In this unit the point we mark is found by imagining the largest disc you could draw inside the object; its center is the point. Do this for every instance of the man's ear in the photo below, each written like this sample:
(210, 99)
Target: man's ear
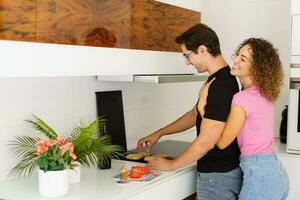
(202, 49)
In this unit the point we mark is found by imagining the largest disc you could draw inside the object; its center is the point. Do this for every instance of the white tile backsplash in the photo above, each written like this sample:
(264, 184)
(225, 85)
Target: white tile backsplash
(42, 96)
(63, 101)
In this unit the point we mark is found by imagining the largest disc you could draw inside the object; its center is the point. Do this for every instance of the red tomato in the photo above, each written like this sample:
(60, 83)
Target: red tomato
(138, 171)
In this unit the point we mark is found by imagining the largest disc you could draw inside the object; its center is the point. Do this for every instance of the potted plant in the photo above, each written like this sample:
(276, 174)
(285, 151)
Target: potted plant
(55, 157)
(89, 147)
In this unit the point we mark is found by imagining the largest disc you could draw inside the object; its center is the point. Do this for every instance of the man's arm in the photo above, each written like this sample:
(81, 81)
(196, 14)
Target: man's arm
(187, 121)
(208, 137)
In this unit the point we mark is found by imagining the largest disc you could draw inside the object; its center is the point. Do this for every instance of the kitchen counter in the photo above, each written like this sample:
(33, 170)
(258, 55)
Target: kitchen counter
(99, 184)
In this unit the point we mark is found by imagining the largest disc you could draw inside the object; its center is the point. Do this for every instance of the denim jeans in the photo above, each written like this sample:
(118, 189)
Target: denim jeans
(219, 186)
(264, 178)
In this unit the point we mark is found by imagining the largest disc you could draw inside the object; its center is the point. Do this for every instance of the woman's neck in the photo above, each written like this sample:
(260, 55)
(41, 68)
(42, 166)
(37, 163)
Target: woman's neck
(246, 82)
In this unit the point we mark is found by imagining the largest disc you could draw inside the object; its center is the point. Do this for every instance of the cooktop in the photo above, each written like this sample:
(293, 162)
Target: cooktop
(170, 148)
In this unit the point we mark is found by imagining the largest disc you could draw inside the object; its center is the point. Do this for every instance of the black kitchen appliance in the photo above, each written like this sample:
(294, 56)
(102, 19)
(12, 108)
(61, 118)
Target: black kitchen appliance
(110, 105)
(283, 125)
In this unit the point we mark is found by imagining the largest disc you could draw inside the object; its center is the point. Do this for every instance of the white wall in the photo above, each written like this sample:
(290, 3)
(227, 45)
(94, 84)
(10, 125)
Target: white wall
(236, 20)
(62, 101)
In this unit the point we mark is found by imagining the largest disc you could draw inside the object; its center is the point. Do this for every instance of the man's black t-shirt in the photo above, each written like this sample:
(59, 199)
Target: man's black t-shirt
(217, 108)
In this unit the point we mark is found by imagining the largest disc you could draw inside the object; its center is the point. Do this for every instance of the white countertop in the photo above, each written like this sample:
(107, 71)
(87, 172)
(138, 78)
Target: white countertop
(95, 184)
(99, 184)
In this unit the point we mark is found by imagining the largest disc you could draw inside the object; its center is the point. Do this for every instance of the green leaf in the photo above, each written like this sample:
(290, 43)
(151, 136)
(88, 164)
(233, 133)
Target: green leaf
(42, 127)
(24, 168)
(22, 146)
(88, 147)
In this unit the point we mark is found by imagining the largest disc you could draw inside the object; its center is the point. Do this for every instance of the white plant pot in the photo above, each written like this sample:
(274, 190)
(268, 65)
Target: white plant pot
(75, 175)
(53, 183)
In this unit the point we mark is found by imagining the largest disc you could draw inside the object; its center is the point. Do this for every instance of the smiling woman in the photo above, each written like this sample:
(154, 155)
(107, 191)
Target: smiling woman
(251, 117)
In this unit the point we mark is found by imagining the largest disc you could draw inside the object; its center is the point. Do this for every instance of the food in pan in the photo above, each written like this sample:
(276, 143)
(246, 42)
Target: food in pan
(137, 156)
(145, 153)
(148, 158)
(134, 156)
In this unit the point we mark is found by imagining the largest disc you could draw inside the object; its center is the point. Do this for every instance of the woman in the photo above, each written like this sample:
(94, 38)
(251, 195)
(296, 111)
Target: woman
(251, 117)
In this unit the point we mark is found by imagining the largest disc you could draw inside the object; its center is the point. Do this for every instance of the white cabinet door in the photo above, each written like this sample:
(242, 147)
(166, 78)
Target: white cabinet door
(295, 6)
(293, 137)
(181, 186)
(17, 58)
(292, 166)
(73, 60)
(296, 35)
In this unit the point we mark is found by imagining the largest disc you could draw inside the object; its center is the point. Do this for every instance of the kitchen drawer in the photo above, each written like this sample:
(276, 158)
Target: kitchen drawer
(295, 35)
(295, 6)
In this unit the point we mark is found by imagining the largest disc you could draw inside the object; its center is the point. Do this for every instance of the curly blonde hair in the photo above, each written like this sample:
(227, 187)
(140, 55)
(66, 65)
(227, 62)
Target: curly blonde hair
(266, 70)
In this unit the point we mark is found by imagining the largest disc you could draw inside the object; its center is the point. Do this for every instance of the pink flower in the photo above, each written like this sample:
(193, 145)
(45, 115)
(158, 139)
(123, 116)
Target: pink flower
(70, 147)
(61, 140)
(44, 145)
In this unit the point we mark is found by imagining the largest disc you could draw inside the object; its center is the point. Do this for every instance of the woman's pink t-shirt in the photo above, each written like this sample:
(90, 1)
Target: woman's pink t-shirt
(257, 133)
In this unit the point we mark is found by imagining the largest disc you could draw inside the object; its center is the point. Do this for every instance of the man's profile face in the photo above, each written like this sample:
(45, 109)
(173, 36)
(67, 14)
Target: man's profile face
(192, 58)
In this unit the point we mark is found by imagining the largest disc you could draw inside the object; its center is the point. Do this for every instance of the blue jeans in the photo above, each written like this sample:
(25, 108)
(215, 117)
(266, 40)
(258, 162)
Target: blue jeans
(219, 186)
(264, 178)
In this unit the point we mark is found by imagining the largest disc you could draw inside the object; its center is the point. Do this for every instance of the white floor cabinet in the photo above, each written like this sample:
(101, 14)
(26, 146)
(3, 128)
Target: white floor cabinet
(292, 165)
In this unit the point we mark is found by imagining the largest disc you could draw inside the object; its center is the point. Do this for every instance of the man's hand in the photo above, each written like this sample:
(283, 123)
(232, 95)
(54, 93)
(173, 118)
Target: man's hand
(203, 93)
(161, 164)
(149, 141)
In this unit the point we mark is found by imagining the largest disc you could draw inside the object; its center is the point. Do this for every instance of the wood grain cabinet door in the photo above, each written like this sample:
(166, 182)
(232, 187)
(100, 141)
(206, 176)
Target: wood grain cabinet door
(130, 24)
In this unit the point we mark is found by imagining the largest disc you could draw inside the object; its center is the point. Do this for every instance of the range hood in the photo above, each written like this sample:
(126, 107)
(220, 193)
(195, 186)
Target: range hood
(154, 78)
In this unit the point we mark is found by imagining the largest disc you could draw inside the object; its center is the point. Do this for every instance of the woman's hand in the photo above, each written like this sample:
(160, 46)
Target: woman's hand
(203, 93)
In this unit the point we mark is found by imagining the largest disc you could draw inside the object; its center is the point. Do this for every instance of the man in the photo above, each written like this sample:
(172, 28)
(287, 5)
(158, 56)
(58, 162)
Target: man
(219, 176)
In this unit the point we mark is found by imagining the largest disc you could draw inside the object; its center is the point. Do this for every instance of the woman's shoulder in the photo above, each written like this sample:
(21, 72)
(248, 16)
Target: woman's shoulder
(248, 96)
(242, 96)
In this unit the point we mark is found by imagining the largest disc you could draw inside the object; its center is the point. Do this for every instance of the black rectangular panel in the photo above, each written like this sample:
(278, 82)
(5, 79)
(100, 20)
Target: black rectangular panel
(110, 105)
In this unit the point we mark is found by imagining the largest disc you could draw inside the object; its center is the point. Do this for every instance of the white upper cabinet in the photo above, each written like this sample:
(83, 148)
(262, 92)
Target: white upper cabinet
(295, 42)
(295, 6)
(295, 35)
(17, 59)
(72, 60)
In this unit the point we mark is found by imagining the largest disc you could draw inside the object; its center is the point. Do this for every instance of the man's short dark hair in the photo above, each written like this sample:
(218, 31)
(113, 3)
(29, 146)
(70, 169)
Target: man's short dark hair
(200, 34)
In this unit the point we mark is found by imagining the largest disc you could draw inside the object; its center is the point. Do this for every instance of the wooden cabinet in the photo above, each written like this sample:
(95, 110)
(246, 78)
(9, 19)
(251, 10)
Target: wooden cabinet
(91, 37)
